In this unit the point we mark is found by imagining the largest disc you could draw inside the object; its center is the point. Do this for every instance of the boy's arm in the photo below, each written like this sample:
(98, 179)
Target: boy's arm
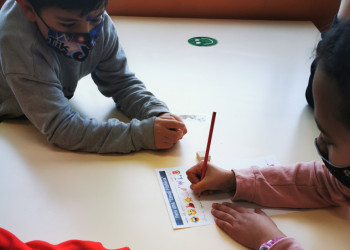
(114, 79)
(304, 185)
(44, 104)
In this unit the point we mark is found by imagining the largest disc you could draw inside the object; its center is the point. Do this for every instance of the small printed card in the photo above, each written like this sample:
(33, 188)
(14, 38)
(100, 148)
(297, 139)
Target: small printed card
(187, 209)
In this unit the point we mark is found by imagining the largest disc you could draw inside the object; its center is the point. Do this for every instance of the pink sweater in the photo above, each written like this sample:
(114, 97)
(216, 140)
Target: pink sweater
(303, 185)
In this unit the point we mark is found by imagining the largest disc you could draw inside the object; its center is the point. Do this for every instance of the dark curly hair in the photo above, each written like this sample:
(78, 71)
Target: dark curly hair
(333, 57)
(85, 6)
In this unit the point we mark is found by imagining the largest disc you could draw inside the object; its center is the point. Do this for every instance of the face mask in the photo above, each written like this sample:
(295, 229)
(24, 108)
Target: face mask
(77, 46)
(341, 173)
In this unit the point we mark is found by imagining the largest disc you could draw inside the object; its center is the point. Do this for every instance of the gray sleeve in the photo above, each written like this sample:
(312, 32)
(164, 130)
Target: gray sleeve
(46, 107)
(114, 79)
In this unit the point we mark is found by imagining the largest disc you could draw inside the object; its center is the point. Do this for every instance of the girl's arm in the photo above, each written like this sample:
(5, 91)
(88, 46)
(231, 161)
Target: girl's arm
(303, 185)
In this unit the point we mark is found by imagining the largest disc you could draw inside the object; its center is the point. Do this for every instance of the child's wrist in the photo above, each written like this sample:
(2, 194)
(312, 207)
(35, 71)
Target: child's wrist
(267, 245)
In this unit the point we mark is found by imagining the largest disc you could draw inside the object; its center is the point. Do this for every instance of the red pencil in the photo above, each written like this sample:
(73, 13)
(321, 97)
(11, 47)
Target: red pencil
(204, 169)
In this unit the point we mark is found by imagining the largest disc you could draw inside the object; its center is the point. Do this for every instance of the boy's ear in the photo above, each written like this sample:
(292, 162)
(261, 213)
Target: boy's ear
(27, 9)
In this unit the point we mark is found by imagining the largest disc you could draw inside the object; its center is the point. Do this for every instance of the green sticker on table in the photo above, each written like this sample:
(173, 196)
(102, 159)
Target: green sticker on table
(202, 41)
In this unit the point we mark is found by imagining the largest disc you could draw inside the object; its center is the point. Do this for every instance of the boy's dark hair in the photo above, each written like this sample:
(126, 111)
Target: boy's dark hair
(333, 55)
(85, 6)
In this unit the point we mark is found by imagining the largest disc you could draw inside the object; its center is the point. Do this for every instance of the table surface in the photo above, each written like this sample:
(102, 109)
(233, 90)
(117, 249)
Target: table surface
(254, 78)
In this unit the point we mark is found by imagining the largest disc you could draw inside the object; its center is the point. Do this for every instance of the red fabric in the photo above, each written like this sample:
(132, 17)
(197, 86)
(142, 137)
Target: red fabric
(10, 241)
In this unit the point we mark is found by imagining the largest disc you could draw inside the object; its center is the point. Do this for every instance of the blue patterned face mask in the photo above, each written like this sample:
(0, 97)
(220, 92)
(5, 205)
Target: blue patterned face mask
(77, 46)
(341, 173)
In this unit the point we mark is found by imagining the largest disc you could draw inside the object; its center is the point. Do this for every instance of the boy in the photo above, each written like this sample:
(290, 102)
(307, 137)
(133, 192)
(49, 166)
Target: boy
(46, 47)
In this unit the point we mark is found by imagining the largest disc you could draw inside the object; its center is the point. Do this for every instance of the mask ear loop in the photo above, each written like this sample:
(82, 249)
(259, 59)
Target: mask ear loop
(36, 13)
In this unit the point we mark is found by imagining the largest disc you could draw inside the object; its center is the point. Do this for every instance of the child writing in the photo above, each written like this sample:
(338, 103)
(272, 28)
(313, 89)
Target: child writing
(46, 47)
(303, 185)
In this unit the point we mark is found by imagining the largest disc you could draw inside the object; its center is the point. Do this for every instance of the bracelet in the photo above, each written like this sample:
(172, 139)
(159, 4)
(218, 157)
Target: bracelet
(267, 245)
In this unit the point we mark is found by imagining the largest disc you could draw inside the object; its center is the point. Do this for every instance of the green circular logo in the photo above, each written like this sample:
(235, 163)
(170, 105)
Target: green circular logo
(202, 41)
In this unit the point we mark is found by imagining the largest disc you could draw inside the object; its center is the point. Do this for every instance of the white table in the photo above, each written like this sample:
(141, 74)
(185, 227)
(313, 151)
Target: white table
(254, 78)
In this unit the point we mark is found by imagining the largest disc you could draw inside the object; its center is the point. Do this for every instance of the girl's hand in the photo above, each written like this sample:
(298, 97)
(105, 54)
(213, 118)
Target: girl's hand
(168, 130)
(215, 179)
(249, 228)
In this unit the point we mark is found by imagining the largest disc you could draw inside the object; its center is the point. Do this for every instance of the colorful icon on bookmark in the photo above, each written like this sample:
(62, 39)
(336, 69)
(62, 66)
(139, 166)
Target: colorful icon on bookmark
(191, 212)
(188, 199)
(190, 205)
(180, 183)
(194, 219)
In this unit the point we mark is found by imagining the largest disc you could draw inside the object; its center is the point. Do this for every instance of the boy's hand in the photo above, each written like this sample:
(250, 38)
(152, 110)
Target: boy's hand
(168, 130)
(216, 179)
(249, 228)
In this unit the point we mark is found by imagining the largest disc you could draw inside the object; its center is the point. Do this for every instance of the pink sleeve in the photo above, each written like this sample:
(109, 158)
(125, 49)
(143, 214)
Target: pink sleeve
(285, 244)
(10, 241)
(303, 185)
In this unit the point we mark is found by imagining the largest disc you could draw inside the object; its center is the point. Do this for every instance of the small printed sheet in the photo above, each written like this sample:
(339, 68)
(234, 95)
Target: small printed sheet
(187, 209)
